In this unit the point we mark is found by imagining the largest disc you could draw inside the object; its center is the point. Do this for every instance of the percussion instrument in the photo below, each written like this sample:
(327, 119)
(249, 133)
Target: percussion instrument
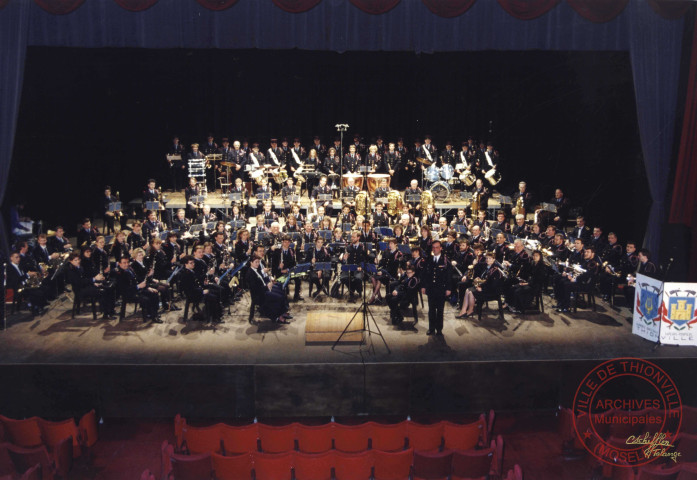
(440, 191)
(493, 176)
(257, 175)
(228, 164)
(356, 176)
(374, 180)
(447, 171)
(433, 173)
(423, 161)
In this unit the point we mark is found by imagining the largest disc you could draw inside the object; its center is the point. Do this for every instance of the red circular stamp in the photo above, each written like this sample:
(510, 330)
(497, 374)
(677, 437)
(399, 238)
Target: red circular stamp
(627, 412)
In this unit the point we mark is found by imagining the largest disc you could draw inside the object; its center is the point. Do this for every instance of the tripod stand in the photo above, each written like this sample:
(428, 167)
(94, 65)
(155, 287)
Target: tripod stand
(367, 316)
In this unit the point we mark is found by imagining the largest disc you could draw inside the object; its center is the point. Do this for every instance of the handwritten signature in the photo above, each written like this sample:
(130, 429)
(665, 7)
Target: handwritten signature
(656, 446)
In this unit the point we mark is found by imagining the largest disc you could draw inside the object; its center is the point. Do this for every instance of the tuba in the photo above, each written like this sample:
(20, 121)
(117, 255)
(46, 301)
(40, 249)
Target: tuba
(394, 203)
(362, 203)
(426, 200)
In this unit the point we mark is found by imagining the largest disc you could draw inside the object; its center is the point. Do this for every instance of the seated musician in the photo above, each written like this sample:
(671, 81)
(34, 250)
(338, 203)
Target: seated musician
(388, 265)
(108, 216)
(572, 281)
(100, 255)
(17, 279)
(309, 234)
(266, 293)
(409, 225)
(477, 237)
(283, 260)
(414, 207)
(417, 261)
(520, 229)
(263, 190)
(355, 255)
(319, 278)
(338, 236)
(366, 232)
(299, 217)
(524, 197)
(119, 248)
(500, 248)
(380, 218)
(491, 280)
(180, 223)
(535, 232)
(480, 221)
(87, 287)
(87, 234)
(646, 267)
(173, 248)
(130, 290)
(152, 227)
(501, 223)
(322, 189)
(402, 292)
(349, 193)
(558, 248)
(346, 217)
(243, 246)
(59, 243)
(42, 251)
(273, 239)
(135, 238)
(195, 289)
(431, 217)
(441, 231)
(482, 194)
(332, 164)
(426, 240)
(162, 269)
(460, 219)
(521, 295)
(291, 225)
(288, 191)
(547, 238)
(399, 236)
(449, 244)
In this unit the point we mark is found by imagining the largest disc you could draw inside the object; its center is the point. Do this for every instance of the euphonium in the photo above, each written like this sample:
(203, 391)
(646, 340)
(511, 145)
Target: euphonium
(519, 206)
(362, 203)
(394, 203)
(426, 200)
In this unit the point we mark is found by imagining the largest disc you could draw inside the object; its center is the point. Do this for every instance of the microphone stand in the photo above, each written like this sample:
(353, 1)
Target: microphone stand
(660, 301)
(341, 128)
(4, 292)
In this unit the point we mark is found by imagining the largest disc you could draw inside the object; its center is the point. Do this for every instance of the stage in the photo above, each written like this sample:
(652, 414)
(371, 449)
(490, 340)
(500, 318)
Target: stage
(54, 364)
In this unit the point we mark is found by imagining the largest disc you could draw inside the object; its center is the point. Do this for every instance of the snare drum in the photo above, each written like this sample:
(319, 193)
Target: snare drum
(257, 175)
(356, 176)
(374, 180)
(433, 174)
(447, 171)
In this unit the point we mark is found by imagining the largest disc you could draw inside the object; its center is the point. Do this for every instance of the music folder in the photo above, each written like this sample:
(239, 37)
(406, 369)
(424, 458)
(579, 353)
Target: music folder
(414, 198)
(237, 224)
(210, 226)
(323, 266)
(263, 196)
(115, 206)
(461, 229)
(504, 200)
(466, 195)
(384, 231)
(324, 197)
(382, 246)
(404, 249)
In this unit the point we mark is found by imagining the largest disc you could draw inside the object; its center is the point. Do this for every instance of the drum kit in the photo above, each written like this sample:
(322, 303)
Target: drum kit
(441, 180)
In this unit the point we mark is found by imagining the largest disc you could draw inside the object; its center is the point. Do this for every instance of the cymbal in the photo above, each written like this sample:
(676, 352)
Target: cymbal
(227, 164)
(423, 160)
(333, 175)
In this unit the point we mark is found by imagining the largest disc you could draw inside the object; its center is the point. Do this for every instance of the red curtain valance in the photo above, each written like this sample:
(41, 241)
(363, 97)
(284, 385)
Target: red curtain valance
(3, 3)
(375, 7)
(448, 8)
(296, 6)
(527, 9)
(59, 7)
(598, 11)
(135, 5)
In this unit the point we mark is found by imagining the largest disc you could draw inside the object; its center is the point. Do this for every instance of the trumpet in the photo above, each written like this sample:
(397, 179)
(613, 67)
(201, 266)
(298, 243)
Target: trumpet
(608, 266)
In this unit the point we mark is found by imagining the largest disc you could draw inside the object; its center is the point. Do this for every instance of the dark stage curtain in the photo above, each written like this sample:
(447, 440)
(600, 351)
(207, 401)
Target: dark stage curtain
(375, 7)
(59, 7)
(296, 6)
(13, 46)
(135, 5)
(448, 8)
(598, 10)
(3, 3)
(217, 5)
(684, 208)
(670, 9)
(527, 9)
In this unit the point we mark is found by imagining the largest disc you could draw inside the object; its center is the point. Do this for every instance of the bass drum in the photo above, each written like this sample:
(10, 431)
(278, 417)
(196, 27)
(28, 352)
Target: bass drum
(447, 172)
(432, 173)
(440, 191)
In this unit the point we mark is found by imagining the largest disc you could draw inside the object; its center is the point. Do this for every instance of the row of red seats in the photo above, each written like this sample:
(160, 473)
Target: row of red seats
(222, 438)
(685, 471)
(34, 432)
(401, 465)
(36, 462)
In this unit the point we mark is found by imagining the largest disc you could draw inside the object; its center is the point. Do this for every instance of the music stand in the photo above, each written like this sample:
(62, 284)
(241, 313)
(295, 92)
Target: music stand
(261, 237)
(269, 221)
(504, 200)
(346, 227)
(324, 197)
(549, 207)
(237, 224)
(414, 198)
(382, 246)
(293, 199)
(337, 246)
(263, 196)
(153, 206)
(295, 237)
(324, 266)
(405, 249)
(325, 234)
(464, 195)
(461, 229)
(114, 207)
(235, 196)
(384, 231)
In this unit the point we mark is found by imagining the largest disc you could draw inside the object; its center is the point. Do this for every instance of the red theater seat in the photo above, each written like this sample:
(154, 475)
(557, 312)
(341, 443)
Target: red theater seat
(425, 437)
(232, 468)
(191, 467)
(202, 439)
(277, 439)
(688, 472)
(273, 466)
(464, 437)
(314, 439)
(353, 466)
(239, 439)
(472, 464)
(54, 432)
(432, 465)
(88, 428)
(315, 466)
(655, 473)
(392, 465)
(26, 458)
(388, 438)
(351, 438)
(23, 433)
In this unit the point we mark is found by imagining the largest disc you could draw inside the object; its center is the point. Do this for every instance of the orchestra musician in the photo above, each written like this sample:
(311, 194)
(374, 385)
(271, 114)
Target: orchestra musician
(352, 160)
(581, 230)
(274, 155)
(317, 145)
(87, 234)
(414, 207)
(349, 193)
(177, 168)
(525, 198)
(282, 262)
(391, 161)
(431, 217)
(380, 218)
(288, 191)
(490, 157)
(16, 280)
(266, 293)
(646, 267)
(597, 241)
(85, 286)
(520, 296)
(426, 240)
(355, 255)
(192, 190)
(402, 292)
(428, 151)
(59, 243)
(119, 248)
(332, 166)
(322, 189)
(569, 282)
(520, 229)
(448, 156)
(482, 194)
(194, 287)
(152, 227)
(313, 162)
(297, 156)
(346, 218)
(492, 280)
(372, 159)
(389, 263)
(358, 145)
(131, 290)
(381, 192)
(135, 238)
(108, 216)
(291, 225)
(318, 278)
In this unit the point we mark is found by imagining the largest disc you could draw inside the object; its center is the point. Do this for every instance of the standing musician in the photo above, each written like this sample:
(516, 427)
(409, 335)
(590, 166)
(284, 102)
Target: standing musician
(402, 292)
(448, 156)
(559, 218)
(332, 165)
(391, 161)
(319, 278)
(210, 147)
(239, 158)
(414, 207)
(389, 263)
(255, 158)
(322, 189)
(313, 163)
(355, 255)
(275, 154)
(490, 157)
(380, 143)
(297, 156)
(285, 157)
(646, 267)
(428, 151)
(462, 160)
(435, 282)
(372, 159)
(352, 160)
(87, 234)
(318, 146)
(525, 198)
(177, 168)
(131, 290)
(403, 177)
(282, 262)
(192, 190)
(380, 218)
(288, 191)
(225, 156)
(195, 154)
(482, 194)
(108, 216)
(358, 145)
(266, 293)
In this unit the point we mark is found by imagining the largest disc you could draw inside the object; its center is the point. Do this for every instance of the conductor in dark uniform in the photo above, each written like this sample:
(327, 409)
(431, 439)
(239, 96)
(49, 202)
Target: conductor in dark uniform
(435, 282)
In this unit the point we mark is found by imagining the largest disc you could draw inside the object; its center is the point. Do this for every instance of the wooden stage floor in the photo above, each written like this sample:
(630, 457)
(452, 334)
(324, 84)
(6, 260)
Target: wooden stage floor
(55, 338)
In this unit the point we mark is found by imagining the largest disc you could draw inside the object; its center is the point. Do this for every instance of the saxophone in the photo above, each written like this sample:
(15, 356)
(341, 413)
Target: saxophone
(519, 208)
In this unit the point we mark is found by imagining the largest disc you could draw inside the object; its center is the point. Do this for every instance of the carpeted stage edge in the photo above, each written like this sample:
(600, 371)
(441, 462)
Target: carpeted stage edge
(219, 391)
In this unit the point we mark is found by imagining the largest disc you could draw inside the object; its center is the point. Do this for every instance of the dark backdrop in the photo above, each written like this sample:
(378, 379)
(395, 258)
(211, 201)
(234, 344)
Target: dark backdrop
(95, 116)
